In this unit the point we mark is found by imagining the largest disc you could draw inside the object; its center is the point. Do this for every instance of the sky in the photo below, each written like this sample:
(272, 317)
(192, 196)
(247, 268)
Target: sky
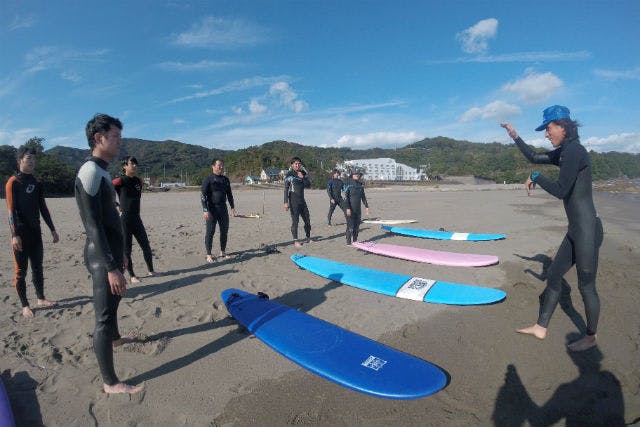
(329, 73)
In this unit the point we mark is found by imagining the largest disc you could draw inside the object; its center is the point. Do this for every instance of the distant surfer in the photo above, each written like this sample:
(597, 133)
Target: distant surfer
(25, 202)
(334, 190)
(129, 189)
(104, 248)
(581, 244)
(354, 198)
(296, 180)
(216, 192)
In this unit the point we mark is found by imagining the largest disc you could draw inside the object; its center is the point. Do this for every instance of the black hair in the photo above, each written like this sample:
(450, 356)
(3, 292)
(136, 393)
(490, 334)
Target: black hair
(100, 123)
(335, 171)
(128, 159)
(570, 128)
(296, 159)
(216, 159)
(23, 151)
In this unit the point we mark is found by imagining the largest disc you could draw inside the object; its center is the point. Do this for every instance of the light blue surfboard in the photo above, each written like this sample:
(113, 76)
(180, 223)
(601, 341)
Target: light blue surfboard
(442, 235)
(334, 353)
(399, 285)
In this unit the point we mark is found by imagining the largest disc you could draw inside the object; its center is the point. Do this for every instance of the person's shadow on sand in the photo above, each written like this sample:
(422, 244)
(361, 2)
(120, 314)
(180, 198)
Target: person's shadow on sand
(21, 390)
(300, 299)
(592, 399)
(565, 296)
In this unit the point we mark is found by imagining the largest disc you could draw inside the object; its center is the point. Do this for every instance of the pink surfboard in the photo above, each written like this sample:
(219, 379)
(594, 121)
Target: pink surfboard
(425, 255)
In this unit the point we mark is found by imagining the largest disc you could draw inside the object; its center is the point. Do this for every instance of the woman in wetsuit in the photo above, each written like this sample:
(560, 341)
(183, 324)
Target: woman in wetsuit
(354, 197)
(295, 182)
(581, 244)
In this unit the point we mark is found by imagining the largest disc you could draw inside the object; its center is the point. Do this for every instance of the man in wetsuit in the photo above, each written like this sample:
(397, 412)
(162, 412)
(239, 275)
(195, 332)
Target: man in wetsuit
(104, 248)
(583, 239)
(216, 191)
(295, 182)
(25, 202)
(354, 197)
(334, 190)
(129, 189)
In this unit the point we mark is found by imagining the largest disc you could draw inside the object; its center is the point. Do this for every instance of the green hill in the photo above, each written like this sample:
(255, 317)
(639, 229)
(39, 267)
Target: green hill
(174, 161)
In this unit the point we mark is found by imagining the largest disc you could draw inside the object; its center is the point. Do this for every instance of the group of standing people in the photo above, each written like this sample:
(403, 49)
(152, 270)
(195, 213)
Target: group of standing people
(107, 250)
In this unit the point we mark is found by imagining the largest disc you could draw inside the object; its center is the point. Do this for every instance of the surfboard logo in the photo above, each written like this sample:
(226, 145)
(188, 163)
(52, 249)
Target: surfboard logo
(374, 363)
(415, 288)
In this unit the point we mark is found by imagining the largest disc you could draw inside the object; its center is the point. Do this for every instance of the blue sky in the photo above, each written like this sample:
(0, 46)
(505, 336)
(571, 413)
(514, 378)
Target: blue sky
(231, 74)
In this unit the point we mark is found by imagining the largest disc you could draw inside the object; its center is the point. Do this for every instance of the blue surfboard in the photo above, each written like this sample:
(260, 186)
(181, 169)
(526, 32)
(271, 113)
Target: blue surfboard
(442, 235)
(334, 353)
(399, 285)
(6, 416)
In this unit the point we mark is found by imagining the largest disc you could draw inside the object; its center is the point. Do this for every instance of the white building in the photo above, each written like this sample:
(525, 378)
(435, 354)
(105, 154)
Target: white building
(383, 169)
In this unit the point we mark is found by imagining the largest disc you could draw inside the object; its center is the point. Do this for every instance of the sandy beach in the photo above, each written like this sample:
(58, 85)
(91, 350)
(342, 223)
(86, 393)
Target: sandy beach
(200, 369)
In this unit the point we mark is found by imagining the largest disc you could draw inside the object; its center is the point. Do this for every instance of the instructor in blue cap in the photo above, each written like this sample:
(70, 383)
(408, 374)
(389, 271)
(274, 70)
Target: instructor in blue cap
(582, 242)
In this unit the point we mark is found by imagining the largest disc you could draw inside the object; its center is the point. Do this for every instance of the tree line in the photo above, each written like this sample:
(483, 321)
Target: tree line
(174, 161)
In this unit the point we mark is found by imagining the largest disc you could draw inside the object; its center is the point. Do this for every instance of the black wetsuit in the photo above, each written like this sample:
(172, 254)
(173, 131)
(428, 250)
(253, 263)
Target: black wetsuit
(584, 236)
(294, 195)
(129, 191)
(216, 190)
(103, 252)
(25, 202)
(334, 190)
(354, 196)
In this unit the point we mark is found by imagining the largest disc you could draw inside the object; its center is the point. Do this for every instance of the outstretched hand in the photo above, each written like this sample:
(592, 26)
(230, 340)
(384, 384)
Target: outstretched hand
(510, 130)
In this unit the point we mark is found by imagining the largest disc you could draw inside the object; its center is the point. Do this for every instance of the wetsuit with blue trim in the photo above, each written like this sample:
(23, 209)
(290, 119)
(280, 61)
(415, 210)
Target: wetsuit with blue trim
(354, 197)
(103, 252)
(216, 191)
(581, 244)
(129, 189)
(334, 190)
(294, 195)
(25, 202)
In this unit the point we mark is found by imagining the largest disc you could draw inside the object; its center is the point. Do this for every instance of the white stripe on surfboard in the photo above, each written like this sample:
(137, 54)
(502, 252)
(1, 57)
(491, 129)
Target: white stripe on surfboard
(415, 288)
(459, 236)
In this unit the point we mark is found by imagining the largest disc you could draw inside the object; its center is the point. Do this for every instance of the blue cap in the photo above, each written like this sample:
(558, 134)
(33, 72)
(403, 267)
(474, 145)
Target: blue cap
(552, 113)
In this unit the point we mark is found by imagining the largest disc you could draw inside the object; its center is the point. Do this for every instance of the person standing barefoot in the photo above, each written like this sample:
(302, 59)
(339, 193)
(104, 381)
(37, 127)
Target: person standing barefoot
(582, 241)
(104, 248)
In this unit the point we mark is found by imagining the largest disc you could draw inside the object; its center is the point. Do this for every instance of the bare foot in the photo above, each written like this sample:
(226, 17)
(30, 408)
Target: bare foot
(210, 259)
(308, 239)
(224, 255)
(122, 388)
(129, 338)
(27, 312)
(134, 279)
(583, 343)
(297, 244)
(46, 303)
(152, 274)
(535, 330)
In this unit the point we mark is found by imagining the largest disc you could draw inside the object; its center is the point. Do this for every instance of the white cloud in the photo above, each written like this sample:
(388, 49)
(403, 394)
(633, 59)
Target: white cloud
(194, 66)
(632, 74)
(179, 121)
(212, 32)
(378, 139)
(496, 110)
(235, 86)
(20, 22)
(534, 87)
(624, 142)
(287, 97)
(552, 56)
(17, 137)
(475, 39)
(255, 107)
